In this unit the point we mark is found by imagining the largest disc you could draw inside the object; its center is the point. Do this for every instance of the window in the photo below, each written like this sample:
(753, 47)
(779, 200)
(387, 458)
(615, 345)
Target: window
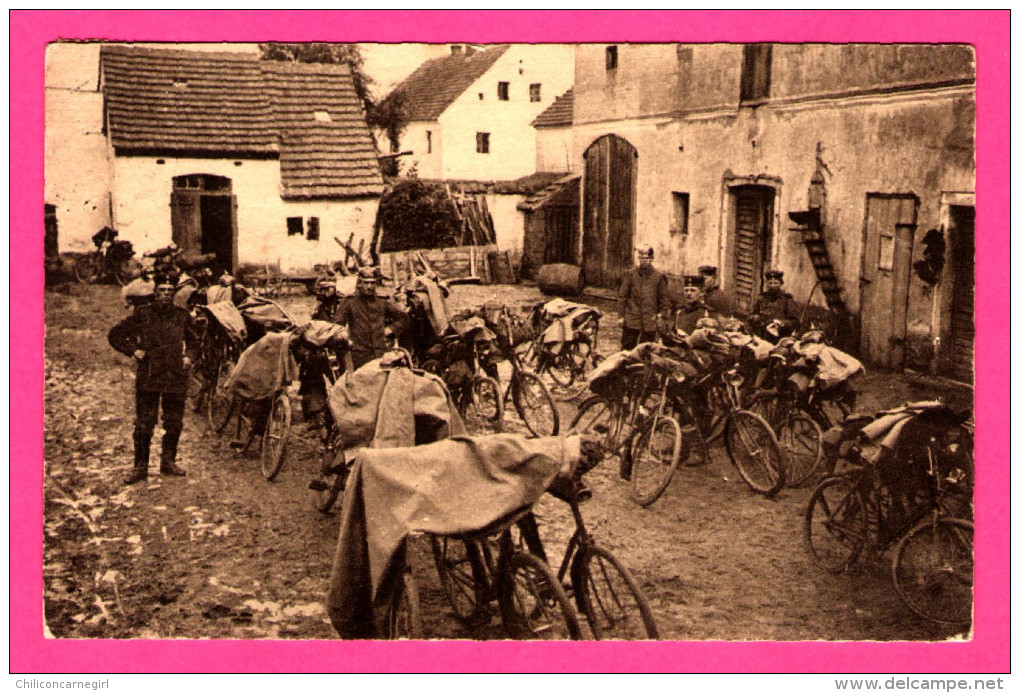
(536, 92)
(681, 206)
(295, 226)
(428, 141)
(313, 229)
(481, 96)
(504, 91)
(756, 77)
(611, 57)
(482, 142)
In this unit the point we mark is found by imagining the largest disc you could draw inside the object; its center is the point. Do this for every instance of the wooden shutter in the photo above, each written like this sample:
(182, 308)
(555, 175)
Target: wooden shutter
(962, 326)
(748, 248)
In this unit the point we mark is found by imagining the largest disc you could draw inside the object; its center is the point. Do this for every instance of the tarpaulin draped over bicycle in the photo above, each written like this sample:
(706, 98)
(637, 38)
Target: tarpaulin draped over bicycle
(565, 317)
(451, 487)
(263, 368)
(229, 318)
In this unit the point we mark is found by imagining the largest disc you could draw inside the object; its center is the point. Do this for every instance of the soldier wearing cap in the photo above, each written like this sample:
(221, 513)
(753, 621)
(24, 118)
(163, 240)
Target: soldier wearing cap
(163, 342)
(694, 307)
(714, 298)
(774, 303)
(644, 296)
(366, 316)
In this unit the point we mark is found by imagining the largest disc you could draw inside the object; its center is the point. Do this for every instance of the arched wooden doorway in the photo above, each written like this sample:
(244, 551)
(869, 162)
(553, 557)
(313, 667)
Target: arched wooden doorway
(610, 174)
(203, 217)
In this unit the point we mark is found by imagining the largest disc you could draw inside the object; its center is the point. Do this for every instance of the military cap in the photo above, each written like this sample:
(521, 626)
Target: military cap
(707, 270)
(774, 274)
(694, 280)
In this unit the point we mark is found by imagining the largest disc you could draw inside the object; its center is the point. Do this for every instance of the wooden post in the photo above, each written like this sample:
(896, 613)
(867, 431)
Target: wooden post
(471, 250)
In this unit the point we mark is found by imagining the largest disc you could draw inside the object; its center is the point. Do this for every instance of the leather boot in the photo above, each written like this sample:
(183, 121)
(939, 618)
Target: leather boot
(141, 468)
(167, 461)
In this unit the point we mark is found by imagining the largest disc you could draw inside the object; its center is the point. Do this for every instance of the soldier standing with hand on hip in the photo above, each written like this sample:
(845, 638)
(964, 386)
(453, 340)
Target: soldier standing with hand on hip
(162, 340)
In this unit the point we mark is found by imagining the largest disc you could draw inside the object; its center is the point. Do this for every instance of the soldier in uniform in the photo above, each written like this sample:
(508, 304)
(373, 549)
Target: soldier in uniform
(694, 307)
(163, 342)
(644, 298)
(774, 304)
(366, 316)
(714, 298)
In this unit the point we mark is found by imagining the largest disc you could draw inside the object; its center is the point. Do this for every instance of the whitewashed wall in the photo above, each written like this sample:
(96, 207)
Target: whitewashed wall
(554, 150)
(142, 190)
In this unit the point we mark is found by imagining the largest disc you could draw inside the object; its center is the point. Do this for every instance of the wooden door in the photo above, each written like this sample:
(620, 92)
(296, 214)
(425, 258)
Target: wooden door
(889, 226)
(961, 346)
(561, 235)
(752, 242)
(610, 174)
(186, 220)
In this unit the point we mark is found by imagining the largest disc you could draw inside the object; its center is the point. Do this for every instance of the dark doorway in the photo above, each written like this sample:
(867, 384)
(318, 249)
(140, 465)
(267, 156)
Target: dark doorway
(203, 217)
(961, 341)
(751, 242)
(610, 174)
(561, 235)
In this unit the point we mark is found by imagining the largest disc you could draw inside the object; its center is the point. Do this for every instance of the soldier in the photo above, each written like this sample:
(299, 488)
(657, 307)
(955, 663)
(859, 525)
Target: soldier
(714, 298)
(694, 307)
(162, 339)
(774, 304)
(644, 296)
(366, 316)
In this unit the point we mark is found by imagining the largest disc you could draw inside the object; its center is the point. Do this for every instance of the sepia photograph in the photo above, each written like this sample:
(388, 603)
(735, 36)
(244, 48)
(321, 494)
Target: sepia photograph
(510, 340)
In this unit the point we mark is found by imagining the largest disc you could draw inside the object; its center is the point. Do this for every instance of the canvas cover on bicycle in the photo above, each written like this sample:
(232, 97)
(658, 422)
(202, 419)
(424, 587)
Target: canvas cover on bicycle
(229, 318)
(451, 487)
(567, 322)
(266, 313)
(264, 368)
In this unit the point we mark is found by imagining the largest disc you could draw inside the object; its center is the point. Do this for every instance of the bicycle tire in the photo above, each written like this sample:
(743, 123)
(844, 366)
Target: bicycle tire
(88, 268)
(529, 395)
(610, 599)
(933, 570)
(126, 271)
(752, 446)
(404, 618)
(595, 420)
(274, 439)
(835, 524)
(533, 603)
(655, 455)
(333, 473)
(221, 404)
(465, 596)
(560, 366)
(799, 436)
(487, 402)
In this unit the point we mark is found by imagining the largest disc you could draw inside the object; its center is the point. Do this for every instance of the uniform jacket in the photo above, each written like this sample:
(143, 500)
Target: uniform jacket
(779, 306)
(165, 336)
(718, 302)
(366, 321)
(644, 294)
(689, 314)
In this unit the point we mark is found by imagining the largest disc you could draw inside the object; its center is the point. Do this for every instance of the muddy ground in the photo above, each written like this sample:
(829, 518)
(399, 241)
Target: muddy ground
(223, 553)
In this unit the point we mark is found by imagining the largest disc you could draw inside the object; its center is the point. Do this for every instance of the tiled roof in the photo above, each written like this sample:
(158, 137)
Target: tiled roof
(563, 192)
(560, 113)
(234, 104)
(526, 185)
(437, 83)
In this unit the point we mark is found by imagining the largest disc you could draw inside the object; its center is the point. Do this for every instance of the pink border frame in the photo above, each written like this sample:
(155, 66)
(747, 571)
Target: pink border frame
(987, 31)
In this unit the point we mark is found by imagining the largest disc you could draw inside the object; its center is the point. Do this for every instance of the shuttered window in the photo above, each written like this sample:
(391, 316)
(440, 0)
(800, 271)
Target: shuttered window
(962, 347)
(756, 77)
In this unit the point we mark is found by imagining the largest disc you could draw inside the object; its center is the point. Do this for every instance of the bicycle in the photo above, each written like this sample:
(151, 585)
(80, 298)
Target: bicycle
(111, 258)
(530, 397)
(634, 421)
(602, 588)
(568, 361)
(859, 512)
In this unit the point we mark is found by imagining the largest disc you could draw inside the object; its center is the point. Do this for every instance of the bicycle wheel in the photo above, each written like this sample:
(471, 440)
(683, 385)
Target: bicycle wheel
(610, 599)
(595, 419)
(127, 271)
(274, 440)
(403, 618)
(654, 456)
(485, 409)
(560, 367)
(457, 563)
(220, 402)
(694, 450)
(534, 404)
(88, 269)
(752, 446)
(533, 604)
(933, 570)
(798, 435)
(332, 476)
(835, 524)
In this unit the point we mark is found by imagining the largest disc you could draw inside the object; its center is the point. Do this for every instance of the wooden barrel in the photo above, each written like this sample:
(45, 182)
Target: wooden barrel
(561, 278)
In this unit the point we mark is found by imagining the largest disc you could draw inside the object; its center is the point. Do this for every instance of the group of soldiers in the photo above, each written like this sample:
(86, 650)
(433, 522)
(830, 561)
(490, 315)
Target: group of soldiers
(161, 337)
(648, 308)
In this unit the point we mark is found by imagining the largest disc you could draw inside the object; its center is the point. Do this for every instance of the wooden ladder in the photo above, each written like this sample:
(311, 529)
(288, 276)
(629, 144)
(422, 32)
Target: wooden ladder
(810, 227)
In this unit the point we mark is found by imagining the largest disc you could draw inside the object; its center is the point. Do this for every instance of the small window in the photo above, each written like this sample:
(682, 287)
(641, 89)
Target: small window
(611, 57)
(756, 76)
(504, 91)
(313, 229)
(886, 250)
(482, 142)
(295, 226)
(681, 205)
(536, 92)
(481, 96)
(428, 141)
